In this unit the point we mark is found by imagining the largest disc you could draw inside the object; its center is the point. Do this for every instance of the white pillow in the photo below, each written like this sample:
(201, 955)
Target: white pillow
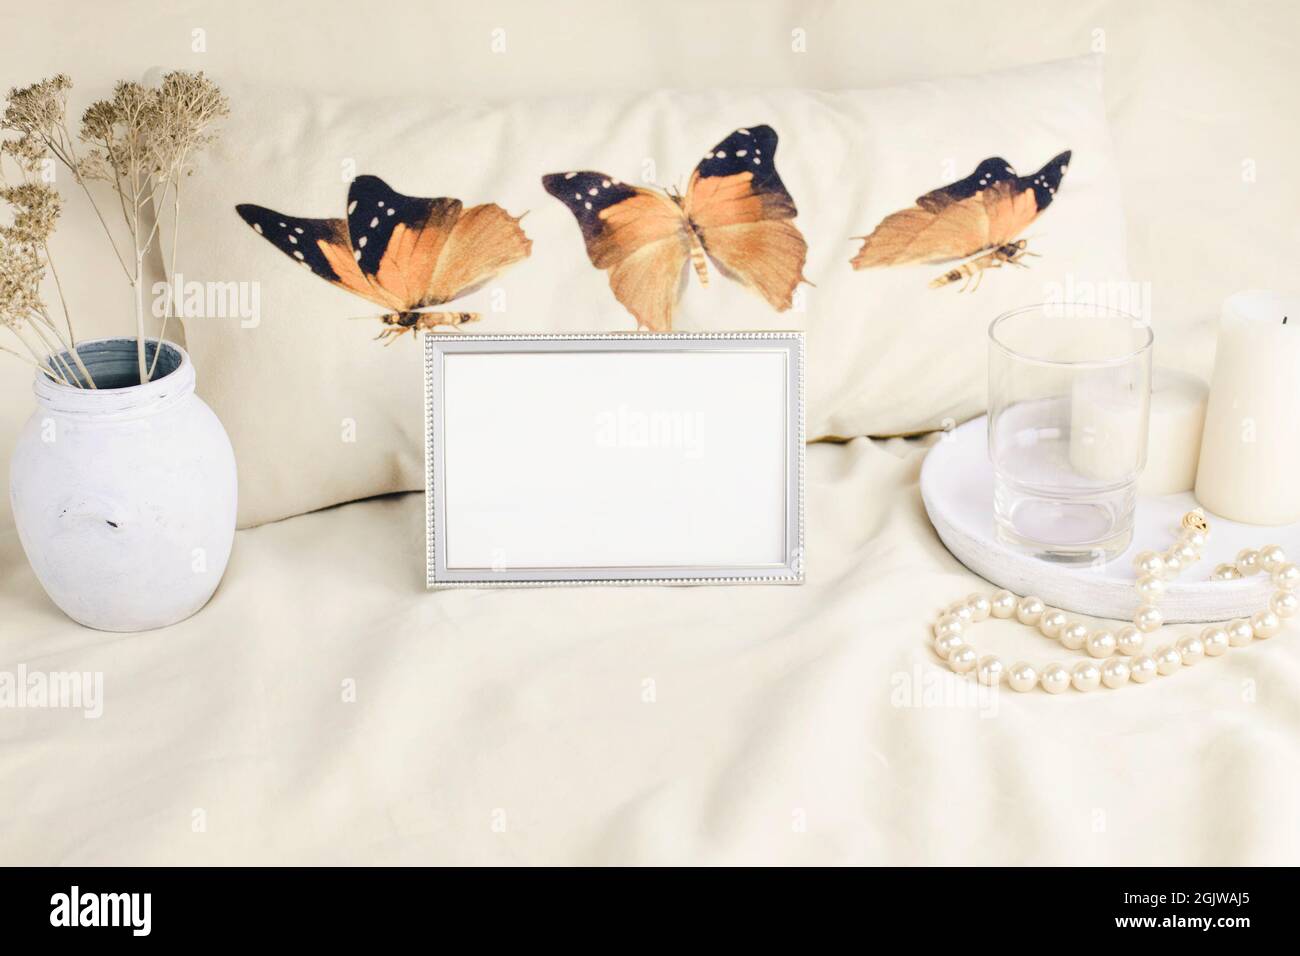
(319, 413)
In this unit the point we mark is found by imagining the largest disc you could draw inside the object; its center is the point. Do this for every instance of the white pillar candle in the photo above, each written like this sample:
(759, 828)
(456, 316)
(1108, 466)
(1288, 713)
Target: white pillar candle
(1250, 449)
(1174, 435)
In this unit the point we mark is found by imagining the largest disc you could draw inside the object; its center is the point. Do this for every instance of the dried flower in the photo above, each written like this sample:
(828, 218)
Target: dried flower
(187, 105)
(28, 151)
(36, 113)
(140, 141)
(120, 126)
(98, 121)
(21, 271)
(36, 209)
(38, 109)
(94, 165)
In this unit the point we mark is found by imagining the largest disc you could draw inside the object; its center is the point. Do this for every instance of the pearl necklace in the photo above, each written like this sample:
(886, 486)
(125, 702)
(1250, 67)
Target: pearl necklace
(1154, 570)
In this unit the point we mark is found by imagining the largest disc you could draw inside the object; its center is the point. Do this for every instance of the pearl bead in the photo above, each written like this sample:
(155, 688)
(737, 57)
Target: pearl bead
(1085, 676)
(1148, 618)
(1144, 668)
(1215, 640)
(1154, 571)
(963, 659)
(1115, 672)
(1021, 677)
(1168, 660)
(1240, 633)
(1029, 611)
(1148, 563)
(1284, 603)
(1265, 624)
(1191, 649)
(1052, 623)
(1129, 640)
(962, 611)
(948, 625)
(989, 670)
(1271, 557)
(1225, 572)
(944, 646)
(1150, 588)
(1003, 604)
(1074, 635)
(1055, 678)
(1287, 577)
(1100, 644)
(979, 606)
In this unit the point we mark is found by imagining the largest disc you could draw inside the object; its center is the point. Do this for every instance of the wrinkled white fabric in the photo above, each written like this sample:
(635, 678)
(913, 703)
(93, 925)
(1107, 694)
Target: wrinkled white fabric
(607, 725)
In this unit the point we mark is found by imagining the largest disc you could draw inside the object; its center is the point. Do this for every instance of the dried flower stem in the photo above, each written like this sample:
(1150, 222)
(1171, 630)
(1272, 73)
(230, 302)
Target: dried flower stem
(40, 359)
(61, 145)
(140, 143)
(171, 275)
(39, 366)
(67, 318)
(54, 350)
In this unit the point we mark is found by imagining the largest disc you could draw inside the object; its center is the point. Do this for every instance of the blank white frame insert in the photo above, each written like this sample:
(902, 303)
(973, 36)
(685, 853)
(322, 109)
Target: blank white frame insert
(614, 458)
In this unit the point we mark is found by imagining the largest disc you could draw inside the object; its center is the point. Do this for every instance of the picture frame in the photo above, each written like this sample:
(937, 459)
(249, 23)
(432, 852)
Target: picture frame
(618, 458)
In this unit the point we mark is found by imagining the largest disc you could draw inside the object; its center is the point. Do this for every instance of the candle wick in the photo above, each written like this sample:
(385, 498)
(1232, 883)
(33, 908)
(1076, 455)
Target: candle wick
(1284, 318)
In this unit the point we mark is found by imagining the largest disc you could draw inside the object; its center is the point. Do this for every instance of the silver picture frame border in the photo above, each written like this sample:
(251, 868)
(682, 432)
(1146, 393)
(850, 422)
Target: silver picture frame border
(438, 346)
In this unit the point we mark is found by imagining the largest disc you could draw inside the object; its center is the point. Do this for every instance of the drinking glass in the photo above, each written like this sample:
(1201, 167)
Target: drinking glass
(1069, 402)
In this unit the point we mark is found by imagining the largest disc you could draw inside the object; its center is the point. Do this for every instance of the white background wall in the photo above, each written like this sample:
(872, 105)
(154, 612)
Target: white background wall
(1201, 94)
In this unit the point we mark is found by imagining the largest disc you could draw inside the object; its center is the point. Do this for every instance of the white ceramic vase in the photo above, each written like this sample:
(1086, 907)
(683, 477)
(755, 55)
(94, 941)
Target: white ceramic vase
(124, 495)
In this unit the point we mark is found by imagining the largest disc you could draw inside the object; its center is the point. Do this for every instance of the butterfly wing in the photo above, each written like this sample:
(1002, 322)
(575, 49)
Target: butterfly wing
(396, 239)
(320, 245)
(638, 235)
(988, 208)
(1026, 199)
(400, 252)
(741, 211)
(946, 223)
(483, 241)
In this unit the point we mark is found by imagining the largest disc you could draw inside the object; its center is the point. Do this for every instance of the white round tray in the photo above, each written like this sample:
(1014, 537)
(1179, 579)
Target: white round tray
(957, 487)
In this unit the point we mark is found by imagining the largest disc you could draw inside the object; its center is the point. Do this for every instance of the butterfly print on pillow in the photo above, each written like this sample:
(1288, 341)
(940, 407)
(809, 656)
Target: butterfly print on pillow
(736, 213)
(983, 213)
(403, 253)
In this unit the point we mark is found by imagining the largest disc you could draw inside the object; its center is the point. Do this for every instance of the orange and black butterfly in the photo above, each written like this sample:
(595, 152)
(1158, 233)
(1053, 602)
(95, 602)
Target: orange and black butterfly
(736, 212)
(982, 213)
(403, 253)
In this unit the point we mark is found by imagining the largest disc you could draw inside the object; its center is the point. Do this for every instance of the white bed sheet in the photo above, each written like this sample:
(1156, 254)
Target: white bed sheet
(607, 725)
